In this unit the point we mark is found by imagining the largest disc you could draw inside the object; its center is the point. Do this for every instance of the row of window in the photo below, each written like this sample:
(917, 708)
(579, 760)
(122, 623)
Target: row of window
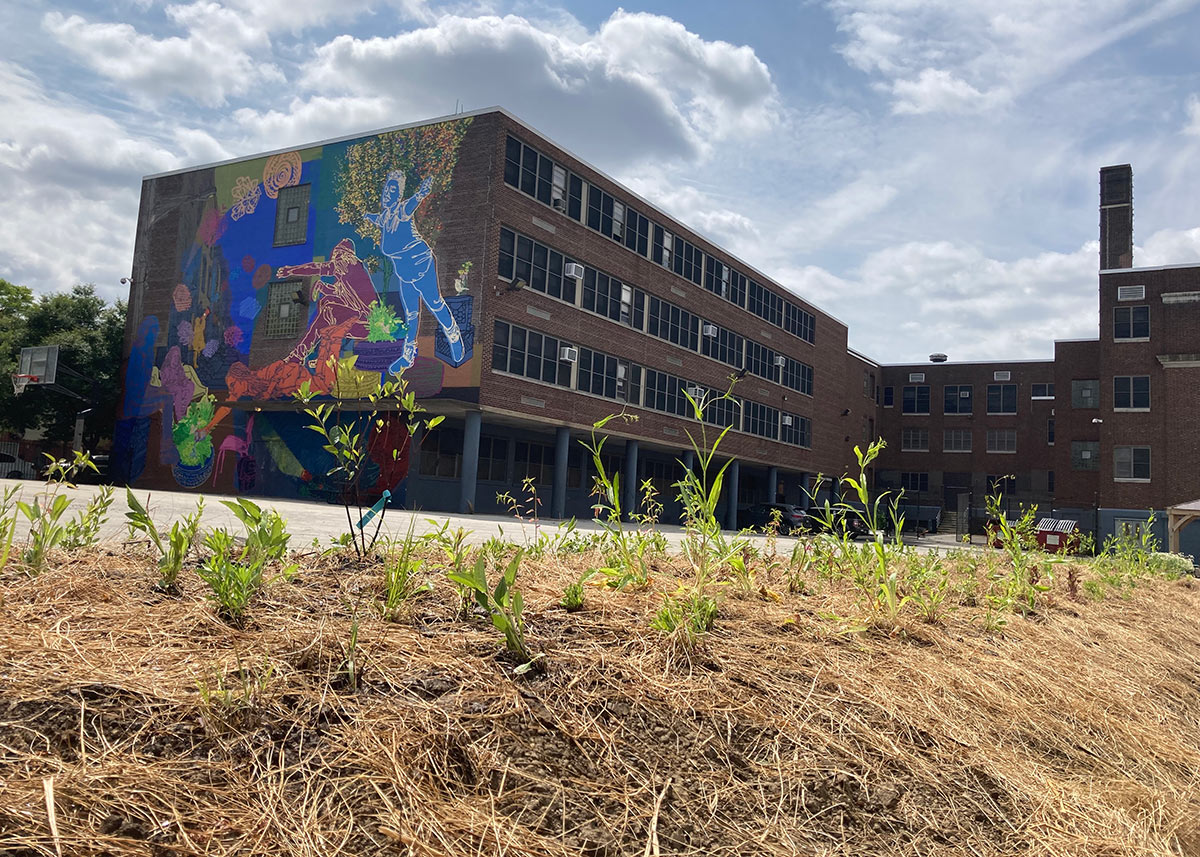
(530, 354)
(546, 270)
(534, 174)
(1129, 462)
(957, 440)
(959, 398)
(962, 440)
(1130, 392)
(996, 483)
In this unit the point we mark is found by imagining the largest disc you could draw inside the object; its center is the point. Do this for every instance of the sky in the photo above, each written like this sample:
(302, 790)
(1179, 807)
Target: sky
(924, 170)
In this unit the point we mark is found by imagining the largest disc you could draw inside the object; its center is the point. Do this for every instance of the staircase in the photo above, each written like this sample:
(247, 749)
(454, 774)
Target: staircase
(949, 523)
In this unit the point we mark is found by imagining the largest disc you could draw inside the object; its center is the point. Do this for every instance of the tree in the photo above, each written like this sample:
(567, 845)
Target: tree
(90, 335)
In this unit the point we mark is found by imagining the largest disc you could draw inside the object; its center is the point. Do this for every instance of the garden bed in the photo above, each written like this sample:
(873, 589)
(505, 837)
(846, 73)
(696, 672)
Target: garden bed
(133, 721)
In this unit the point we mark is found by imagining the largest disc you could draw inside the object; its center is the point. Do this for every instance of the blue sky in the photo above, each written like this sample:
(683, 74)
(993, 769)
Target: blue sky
(925, 171)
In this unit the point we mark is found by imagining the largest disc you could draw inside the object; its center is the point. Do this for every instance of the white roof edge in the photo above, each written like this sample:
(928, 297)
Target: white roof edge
(1104, 271)
(856, 353)
(927, 363)
(481, 112)
(1083, 339)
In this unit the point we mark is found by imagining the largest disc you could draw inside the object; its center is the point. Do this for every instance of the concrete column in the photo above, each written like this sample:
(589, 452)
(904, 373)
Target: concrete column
(630, 489)
(731, 483)
(562, 444)
(772, 483)
(470, 462)
(805, 487)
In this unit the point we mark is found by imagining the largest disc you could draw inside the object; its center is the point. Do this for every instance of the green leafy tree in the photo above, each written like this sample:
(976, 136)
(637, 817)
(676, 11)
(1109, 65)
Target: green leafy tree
(90, 334)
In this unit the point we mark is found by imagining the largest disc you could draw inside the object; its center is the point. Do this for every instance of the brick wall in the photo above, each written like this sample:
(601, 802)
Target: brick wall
(526, 215)
(1033, 456)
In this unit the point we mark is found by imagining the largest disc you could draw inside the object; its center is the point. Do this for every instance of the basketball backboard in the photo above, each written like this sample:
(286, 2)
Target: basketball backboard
(41, 362)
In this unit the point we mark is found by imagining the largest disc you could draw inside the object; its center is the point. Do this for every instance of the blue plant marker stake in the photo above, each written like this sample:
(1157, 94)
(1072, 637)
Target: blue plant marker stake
(375, 510)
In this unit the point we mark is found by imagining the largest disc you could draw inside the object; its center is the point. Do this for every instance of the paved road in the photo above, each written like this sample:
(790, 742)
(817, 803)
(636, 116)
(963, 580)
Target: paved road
(308, 520)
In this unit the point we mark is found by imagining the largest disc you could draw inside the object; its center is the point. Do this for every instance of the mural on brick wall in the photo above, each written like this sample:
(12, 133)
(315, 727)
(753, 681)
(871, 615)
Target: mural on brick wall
(309, 266)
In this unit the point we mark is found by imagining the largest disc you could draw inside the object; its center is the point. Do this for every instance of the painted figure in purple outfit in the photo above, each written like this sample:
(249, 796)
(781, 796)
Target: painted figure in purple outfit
(347, 298)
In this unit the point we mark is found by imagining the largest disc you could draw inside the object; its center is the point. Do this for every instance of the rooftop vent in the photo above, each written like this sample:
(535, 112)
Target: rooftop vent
(938, 358)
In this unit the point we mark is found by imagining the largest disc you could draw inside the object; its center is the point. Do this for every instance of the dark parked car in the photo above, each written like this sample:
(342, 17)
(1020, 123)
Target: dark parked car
(793, 520)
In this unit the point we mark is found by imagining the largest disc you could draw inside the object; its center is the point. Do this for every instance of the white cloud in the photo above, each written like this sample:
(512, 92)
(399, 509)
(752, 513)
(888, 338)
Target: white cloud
(956, 55)
(1192, 109)
(642, 87)
(70, 180)
(223, 54)
(939, 91)
(1169, 247)
(819, 222)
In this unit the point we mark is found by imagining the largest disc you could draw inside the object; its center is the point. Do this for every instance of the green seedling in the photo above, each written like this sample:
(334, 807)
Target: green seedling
(173, 549)
(505, 605)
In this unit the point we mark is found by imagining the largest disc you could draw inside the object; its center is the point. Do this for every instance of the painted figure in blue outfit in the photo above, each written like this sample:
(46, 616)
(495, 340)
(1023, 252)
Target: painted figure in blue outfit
(415, 266)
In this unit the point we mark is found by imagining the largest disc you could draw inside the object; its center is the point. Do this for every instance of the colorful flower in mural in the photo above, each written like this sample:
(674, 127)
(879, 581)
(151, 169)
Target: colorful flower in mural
(281, 171)
(246, 194)
(182, 297)
(234, 336)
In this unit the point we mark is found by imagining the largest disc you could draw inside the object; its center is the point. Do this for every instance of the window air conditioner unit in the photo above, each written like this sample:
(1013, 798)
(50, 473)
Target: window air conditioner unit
(557, 203)
(709, 330)
(573, 270)
(1002, 375)
(568, 353)
(780, 360)
(787, 421)
(616, 233)
(694, 392)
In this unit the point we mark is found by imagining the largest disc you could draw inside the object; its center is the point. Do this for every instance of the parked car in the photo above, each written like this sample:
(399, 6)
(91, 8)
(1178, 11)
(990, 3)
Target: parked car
(793, 520)
(16, 468)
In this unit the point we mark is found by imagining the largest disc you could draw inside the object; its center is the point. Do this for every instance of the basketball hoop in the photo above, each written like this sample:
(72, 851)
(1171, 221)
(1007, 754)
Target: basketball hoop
(20, 382)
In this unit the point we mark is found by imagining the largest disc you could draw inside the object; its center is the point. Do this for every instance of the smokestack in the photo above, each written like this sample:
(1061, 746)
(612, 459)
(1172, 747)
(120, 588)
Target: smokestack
(1116, 217)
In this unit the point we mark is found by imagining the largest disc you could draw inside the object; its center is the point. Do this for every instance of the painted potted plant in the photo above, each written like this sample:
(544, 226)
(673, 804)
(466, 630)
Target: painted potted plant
(385, 339)
(194, 444)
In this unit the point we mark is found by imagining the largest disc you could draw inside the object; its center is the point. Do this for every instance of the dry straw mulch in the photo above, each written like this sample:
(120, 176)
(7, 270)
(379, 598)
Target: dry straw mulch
(1077, 732)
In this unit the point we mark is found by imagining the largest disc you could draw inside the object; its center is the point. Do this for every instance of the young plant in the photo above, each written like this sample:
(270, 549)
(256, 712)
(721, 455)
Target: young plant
(929, 586)
(527, 509)
(685, 617)
(402, 580)
(232, 582)
(572, 600)
(344, 427)
(800, 563)
(266, 531)
(455, 555)
(626, 563)
(873, 568)
(47, 530)
(84, 530)
(173, 549)
(705, 546)
(8, 522)
(1020, 587)
(505, 605)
